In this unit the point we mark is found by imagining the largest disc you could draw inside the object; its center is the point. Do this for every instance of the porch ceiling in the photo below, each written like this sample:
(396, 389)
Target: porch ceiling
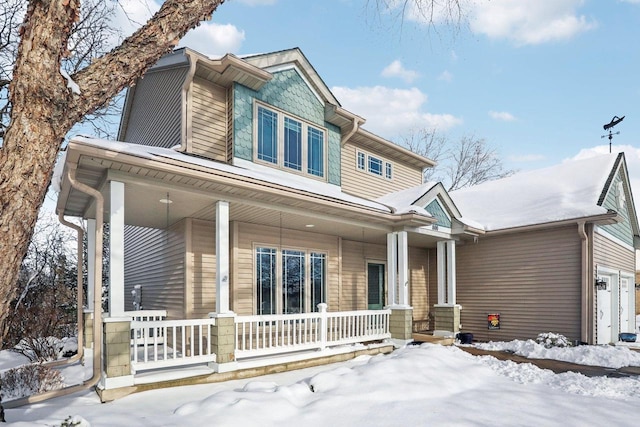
(191, 198)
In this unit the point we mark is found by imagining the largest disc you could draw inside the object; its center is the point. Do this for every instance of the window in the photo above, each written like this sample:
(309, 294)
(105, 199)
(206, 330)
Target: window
(315, 152)
(289, 143)
(374, 165)
(292, 281)
(266, 280)
(267, 135)
(318, 279)
(292, 144)
(297, 286)
(361, 160)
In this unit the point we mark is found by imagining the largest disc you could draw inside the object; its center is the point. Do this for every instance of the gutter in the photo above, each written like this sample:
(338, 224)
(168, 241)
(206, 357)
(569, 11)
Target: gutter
(97, 322)
(611, 217)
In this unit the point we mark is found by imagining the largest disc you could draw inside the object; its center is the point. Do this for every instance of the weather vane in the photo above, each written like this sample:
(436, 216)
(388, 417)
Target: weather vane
(608, 127)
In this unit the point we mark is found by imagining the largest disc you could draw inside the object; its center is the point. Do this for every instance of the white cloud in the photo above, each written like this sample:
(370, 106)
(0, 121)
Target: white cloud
(526, 158)
(529, 22)
(214, 39)
(502, 116)
(208, 38)
(390, 112)
(396, 69)
(445, 76)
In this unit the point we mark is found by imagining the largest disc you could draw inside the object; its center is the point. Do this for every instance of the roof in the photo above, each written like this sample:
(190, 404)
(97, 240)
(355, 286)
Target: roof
(570, 190)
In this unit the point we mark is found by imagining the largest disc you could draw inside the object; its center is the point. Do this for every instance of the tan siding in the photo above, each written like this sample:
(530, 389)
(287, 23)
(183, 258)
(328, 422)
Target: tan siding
(156, 111)
(250, 235)
(155, 260)
(419, 282)
(607, 253)
(354, 279)
(532, 279)
(203, 269)
(208, 118)
(364, 184)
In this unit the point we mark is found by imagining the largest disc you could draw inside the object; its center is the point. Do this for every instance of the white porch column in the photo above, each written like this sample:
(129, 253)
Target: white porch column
(451, 272)
(403, 268)
(91, 261)
(392, 253)
(442, 272)
(222, 257)
(116, 249)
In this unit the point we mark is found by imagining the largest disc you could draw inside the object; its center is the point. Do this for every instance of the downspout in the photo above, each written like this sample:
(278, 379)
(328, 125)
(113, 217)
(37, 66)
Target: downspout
(80, 295)
(97, 322)
(352, 131)
(585, 306)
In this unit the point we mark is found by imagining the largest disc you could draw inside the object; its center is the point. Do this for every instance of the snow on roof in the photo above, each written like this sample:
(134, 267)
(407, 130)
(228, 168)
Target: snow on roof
(566, 191)
(248, 169)
(407, 197)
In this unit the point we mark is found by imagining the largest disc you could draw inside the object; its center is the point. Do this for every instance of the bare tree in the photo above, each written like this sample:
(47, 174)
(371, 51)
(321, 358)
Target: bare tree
(469, 161)
(91, 36)
(44, 108)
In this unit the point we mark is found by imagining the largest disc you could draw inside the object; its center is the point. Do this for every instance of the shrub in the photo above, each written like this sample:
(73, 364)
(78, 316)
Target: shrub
(551, 339)
(29, 379)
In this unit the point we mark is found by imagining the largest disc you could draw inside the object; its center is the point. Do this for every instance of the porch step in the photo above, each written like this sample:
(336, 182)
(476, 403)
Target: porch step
(425, 337)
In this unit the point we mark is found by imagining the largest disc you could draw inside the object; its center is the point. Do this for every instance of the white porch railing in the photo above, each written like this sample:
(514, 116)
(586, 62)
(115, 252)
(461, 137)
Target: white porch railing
(146, 316)
(160, 344)
(278, 334)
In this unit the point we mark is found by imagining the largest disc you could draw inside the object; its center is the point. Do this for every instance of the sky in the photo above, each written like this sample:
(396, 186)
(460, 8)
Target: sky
(537, 79)
(425, 385)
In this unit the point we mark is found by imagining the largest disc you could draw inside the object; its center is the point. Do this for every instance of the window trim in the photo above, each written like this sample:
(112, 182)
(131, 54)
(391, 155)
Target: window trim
(279, 280)
(363, 164)
(305, 169)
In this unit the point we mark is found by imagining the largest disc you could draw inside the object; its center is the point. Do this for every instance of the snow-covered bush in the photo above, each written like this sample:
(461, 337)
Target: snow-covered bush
(29, 379)
(39, 349)
(551, 339)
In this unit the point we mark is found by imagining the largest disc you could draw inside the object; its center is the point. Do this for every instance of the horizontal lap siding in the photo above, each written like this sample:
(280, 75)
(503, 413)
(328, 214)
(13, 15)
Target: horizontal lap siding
(532, 279)
(364, 184)
(250, 234)
(155, 261)
(203, 269)
(208, 120)
(607, 253)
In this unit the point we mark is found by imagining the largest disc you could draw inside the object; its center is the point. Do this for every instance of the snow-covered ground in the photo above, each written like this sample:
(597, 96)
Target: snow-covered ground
(417, 385)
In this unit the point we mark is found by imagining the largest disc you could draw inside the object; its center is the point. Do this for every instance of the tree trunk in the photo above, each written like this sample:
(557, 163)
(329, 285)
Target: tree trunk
(44, 109)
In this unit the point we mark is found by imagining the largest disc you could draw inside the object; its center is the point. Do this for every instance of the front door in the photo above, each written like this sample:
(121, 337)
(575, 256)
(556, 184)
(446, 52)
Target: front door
(375, 286)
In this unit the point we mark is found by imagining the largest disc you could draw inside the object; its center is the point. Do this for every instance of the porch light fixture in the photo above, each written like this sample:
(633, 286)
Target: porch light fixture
(310, 225)
(166, 200)
(601, 284)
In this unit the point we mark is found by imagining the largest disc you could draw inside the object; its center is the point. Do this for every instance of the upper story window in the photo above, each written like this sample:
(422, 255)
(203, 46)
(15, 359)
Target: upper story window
(290, 143)
(374, 165)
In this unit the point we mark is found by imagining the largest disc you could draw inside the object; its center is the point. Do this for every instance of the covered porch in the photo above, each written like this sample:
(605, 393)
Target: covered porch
(210, 310)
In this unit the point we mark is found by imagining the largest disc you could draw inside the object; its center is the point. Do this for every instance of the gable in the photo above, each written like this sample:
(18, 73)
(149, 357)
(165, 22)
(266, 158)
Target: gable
(289, 92)
(618, 198)
(437, 211)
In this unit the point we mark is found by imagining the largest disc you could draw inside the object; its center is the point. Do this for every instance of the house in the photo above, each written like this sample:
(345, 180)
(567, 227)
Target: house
(250, 215)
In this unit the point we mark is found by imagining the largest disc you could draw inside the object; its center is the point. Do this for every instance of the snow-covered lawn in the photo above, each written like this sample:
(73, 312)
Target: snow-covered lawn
(416, 385)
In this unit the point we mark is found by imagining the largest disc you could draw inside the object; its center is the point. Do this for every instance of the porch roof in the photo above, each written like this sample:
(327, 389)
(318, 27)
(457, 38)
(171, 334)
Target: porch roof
(195, 183)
